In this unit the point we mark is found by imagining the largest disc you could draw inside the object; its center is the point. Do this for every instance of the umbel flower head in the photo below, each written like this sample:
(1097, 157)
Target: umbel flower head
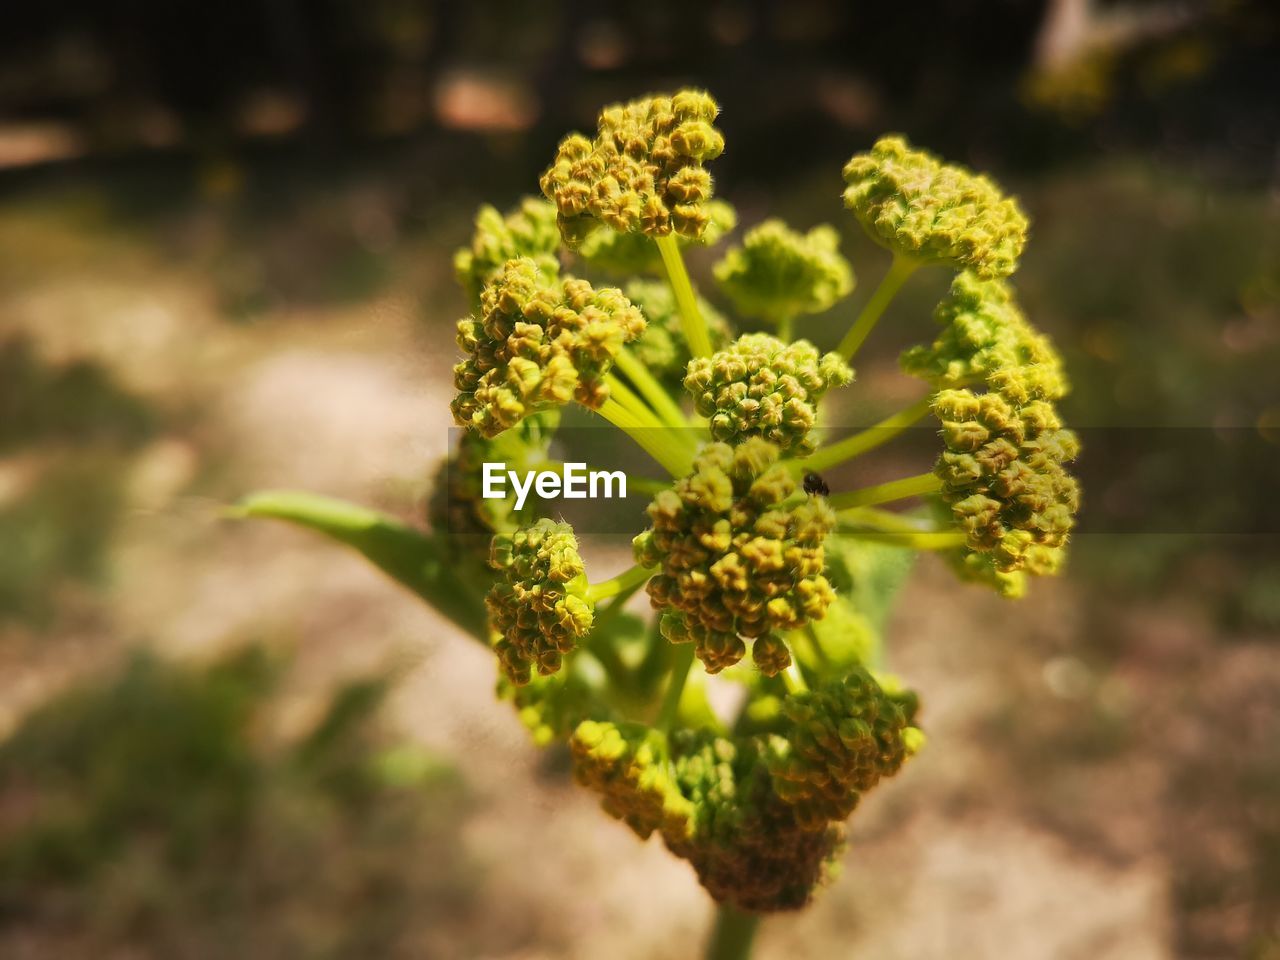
(737, 561)
(748, 846)
(761, 387)
(925, 210)
(643, 172)
(529, 230)
(778, 274)
(537, 343)
(986, 340)
(539, 605)
(662, 347)
(626, 764)
(1003, 476)
(628, 254)
(838, 741)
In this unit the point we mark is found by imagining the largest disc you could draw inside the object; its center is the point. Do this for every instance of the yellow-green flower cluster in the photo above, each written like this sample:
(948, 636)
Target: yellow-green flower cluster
(539, 606)
(529, 230)
(629, 254)
(761, 387)
(928, 211)
(746, 844)
(986, 340)
(626, 764)
(838, 741)
(536, 344)
(662, 347)
(1003, 476)
(779, 274)
(643, 172)
(737, 560)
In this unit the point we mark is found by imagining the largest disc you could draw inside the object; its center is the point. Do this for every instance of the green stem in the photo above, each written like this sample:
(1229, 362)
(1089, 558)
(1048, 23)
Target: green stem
(683, 660)
(615, 585)
(794, 679)
(876, 520)
(786, 328)
(925, 540)
(901, 268)
(733, 935)
(695, 328)
(627, 398)
(656, 442)
(887, 492)
(667, 409)
(868, 439)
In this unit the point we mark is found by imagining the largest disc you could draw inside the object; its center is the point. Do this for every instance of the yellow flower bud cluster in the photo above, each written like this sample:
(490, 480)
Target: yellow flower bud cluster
(629, 254)
(538, 606)
(778, 274)
(642, 173)
(986, 340)
(737, 560)
(529, 230)
(625, 763)
(838, 741)
(537, 343)
(761, 387)
(1003, 476)
(925, 210)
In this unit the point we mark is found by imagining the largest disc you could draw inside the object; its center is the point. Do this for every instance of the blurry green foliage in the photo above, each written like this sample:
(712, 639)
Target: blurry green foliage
(153, 808)
(75, 403)
(57, 531)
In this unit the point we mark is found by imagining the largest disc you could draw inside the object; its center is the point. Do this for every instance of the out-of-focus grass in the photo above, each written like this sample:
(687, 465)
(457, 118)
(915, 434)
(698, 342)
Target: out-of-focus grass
(154, 808)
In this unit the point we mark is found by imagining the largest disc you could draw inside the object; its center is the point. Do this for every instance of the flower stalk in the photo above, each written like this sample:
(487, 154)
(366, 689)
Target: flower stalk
(695, 328)
(900, 270)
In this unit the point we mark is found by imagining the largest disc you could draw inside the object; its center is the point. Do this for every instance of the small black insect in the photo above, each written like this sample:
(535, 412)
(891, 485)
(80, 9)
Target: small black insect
(814, 485)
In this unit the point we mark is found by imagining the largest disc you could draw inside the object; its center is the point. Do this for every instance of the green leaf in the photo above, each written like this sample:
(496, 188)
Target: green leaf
(411, 558)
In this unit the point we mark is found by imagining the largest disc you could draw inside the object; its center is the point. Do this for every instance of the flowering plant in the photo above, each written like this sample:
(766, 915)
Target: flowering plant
(745, 548)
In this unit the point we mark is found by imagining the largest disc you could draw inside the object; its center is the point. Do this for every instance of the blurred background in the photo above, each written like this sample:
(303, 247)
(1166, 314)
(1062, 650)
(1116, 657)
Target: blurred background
(225, 238)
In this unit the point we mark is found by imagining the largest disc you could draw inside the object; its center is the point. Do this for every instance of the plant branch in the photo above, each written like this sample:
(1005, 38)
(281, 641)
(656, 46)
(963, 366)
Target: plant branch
(626, 580)
(695, 328)
(657, 442)
(675, 686)
(887, 492)
(901, 268)
(868, 439)
(662, 402)
(733, 935)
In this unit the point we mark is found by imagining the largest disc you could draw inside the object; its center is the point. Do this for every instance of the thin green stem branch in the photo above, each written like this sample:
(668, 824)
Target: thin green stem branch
(662, 402)
(794, 679)
(733, 935)
(786, 328)
(695, 328)
(658, 443)
(901, 268)
(885, 521)
(887, 492)
(629, 399)
(859, 443)
(683, 660)
(628, 578)
(928, 540)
